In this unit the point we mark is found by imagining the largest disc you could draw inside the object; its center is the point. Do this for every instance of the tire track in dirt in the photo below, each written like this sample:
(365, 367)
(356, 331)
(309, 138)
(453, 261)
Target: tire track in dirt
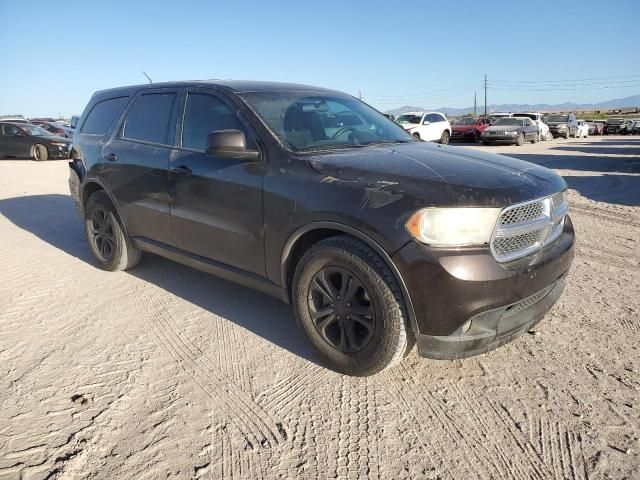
(483, 454)
(256, 425)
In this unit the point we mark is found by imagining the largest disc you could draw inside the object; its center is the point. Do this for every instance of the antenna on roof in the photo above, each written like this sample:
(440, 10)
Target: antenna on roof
(148, 77)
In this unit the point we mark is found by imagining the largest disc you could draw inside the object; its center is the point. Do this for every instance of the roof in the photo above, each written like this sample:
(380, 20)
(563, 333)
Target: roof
(238, 86)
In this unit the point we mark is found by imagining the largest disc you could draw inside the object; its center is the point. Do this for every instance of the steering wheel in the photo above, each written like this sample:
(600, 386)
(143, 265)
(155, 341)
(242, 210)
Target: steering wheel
(343, 130)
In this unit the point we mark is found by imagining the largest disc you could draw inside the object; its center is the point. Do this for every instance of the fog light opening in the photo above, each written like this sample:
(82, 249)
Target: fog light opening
(466, 326)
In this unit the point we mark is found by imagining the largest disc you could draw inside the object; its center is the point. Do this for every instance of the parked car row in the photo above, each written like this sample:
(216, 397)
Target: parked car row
(509, 127)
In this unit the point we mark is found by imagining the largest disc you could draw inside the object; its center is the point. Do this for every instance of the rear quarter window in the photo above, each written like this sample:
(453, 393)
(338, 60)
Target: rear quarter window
(102, 116)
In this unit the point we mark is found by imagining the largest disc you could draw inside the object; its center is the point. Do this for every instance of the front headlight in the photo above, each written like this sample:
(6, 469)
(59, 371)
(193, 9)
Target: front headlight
(512, 133)
(561, 127)
(453, 226)
(59, 144)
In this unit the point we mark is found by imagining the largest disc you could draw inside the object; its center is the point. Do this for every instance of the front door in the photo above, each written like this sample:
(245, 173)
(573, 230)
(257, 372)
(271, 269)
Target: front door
(216, 209)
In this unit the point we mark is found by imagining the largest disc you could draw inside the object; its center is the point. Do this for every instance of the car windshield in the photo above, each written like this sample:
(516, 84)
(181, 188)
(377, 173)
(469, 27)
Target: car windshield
(508, 121)
(409, 118)
(466, 121)
(35, 130)
(558, 118)
(614, 122)
(306, 121)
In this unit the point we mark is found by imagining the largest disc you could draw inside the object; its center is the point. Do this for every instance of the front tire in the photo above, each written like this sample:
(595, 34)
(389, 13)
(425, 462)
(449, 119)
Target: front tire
(536, 138)
(351, 308)
(520, 140)
(39, 153)
(445, 137)
(109, 244)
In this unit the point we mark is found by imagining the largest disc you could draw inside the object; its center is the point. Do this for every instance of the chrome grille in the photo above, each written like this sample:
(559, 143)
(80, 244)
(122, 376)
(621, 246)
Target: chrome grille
(527, 227)
(524, 213)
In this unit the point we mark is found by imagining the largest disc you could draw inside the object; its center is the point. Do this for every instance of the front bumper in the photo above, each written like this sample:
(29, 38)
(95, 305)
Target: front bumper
(500, 138)
(466, 136)
(450, 287)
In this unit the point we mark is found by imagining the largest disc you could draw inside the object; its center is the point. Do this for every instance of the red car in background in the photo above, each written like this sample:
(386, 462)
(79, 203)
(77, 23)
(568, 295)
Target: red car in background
(53, 128)
(469, 128)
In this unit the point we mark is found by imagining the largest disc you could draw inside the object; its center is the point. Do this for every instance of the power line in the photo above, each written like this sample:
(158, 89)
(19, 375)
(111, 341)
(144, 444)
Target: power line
(602, 79)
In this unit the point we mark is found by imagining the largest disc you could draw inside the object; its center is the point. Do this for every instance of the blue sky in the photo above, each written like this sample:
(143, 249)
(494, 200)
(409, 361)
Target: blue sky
(56, 54)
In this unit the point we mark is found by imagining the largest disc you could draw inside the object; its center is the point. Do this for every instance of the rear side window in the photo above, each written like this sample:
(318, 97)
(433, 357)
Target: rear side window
(150, 119)
(102, 116)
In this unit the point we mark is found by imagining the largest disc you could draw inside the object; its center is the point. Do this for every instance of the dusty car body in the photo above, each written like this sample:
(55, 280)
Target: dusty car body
(291, 181)
(25, 140)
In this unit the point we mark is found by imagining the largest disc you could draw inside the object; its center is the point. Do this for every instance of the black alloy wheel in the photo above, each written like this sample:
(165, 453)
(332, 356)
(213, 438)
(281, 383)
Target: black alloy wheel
(341, 309)
(101, 234)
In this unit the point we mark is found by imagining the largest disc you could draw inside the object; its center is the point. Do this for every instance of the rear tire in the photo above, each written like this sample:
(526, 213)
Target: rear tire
(108, 242)
(445, 137)
(39, 153)
(350, 306)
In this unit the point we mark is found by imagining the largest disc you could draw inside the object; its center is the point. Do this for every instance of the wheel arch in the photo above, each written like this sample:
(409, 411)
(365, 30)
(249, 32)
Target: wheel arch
(308, 235)
(93, 185)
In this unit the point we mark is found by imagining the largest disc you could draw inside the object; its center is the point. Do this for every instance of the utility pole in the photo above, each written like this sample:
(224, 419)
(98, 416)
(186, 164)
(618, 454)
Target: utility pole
(485, 95)
(359, 95)
(474, 103)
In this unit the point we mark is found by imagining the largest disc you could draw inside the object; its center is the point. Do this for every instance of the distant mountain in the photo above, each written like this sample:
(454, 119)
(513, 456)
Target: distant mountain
(627, 102)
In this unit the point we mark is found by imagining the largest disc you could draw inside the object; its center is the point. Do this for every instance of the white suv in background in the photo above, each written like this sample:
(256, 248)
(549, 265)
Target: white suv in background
(537, 117)
(427, 126)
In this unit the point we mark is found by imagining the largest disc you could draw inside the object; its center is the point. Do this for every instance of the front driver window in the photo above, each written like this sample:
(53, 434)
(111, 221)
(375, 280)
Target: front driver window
(204, 114)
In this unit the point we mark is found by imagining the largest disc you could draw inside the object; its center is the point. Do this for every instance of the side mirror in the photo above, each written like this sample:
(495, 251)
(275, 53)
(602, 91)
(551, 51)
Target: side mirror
(426, 122)
(230, 144)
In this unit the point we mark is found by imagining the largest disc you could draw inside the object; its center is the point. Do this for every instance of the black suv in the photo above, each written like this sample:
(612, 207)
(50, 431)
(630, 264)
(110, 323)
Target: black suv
(378, 240)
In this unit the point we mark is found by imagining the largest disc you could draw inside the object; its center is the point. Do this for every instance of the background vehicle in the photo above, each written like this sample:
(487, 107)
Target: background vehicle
(595, 128)
(318, 199)
(614, 126)
(636, 127)
(30, 141)
(511, 130)
(54, 128)
(626, 127)
(427, 126)
(582, 129)
(469, 128)
(562, 125)
(496, 115)
(538, 119)
(14, 119)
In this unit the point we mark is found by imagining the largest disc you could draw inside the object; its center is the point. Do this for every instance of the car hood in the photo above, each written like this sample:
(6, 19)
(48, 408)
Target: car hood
(440, 175)
(555, 124)
(503, 128)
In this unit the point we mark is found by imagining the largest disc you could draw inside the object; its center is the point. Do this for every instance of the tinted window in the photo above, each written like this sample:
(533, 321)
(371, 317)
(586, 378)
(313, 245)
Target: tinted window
(434, 117)
(102, 115)
(205, 114)
(8, 130)
(150, 118)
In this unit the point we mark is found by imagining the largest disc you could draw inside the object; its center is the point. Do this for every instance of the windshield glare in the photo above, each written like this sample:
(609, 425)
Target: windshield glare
(306, 121)
(35, 130)
(508, 121)
(558, 118)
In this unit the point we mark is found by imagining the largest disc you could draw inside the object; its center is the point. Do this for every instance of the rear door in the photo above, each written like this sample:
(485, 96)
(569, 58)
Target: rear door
(7, 139)
(217, 202)
(136, 162)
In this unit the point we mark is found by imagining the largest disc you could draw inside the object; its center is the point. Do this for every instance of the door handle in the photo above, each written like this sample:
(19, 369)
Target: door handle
(110, 157)
(181, 170)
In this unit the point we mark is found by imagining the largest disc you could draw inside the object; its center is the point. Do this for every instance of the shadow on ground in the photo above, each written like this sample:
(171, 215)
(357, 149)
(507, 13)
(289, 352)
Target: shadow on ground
(53, 218)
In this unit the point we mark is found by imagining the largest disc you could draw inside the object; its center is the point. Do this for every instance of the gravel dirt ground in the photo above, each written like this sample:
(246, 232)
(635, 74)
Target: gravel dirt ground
(164, 371)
